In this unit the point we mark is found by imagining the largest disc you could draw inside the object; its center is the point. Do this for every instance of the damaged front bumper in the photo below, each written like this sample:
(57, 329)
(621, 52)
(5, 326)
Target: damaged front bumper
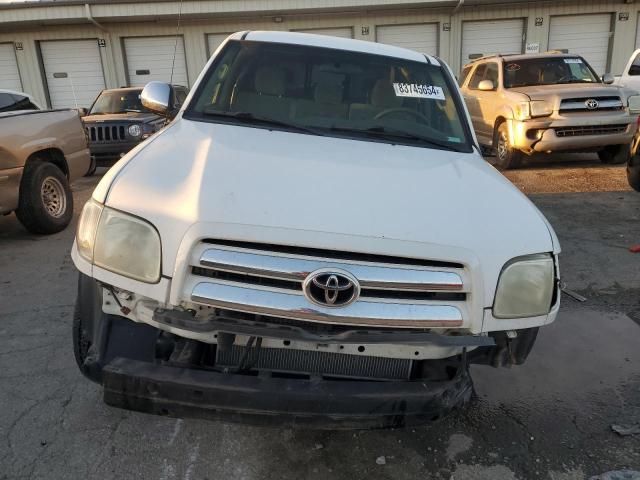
(152, 368)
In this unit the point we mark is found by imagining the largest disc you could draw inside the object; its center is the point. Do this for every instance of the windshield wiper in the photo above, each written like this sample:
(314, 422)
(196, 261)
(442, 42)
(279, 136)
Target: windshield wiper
(132, 110)
(380, 131)
(248, 116)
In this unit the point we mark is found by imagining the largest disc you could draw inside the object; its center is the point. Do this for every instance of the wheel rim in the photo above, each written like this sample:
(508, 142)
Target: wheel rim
(53, 196)
(502, 146)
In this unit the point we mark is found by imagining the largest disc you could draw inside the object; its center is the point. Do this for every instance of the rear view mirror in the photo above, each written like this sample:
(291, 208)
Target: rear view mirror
(486, 85)
(156, 96)
(608, 78)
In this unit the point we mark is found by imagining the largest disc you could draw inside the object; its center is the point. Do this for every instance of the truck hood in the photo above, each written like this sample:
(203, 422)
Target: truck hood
(323, 192)
(139, 117)
(571, 90)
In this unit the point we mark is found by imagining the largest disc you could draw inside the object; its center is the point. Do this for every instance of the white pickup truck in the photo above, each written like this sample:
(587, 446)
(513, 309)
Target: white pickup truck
(315, 237)
(630, 78)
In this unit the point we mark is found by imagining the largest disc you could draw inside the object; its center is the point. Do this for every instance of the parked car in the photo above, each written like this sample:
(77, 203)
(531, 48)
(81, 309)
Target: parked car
(10, 101)
(41, 153)
(117, 121)
(316, 237)
(551, 102)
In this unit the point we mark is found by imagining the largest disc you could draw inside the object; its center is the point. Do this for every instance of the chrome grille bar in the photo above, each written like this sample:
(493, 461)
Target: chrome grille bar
(384, 277)
(286, 304)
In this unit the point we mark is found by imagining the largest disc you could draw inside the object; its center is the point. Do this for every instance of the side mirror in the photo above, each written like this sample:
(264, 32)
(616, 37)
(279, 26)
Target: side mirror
(486, 85)
(156, 96)
(82, 112)
(608, 79)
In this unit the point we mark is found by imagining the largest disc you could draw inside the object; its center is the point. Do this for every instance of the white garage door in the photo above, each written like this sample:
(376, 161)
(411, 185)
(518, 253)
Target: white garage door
(343, 32)
(586, 35)
(421, 37)
(73, 70)
(491, 37)
(9, 75)
(150, 58)
(214, 40)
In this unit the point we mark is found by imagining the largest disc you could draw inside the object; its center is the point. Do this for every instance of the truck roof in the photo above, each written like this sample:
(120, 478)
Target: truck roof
(349, 44)
(524, 56)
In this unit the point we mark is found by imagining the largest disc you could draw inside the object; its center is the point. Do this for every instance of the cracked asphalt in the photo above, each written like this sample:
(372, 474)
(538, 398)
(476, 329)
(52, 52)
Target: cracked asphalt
(550, 418)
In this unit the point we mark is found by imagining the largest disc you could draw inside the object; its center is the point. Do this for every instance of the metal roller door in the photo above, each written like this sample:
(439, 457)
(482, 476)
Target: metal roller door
(342, 32)
(422, 37)
(151, 58)
(214, 40)
(73, 71)
(490, 37)
(9, 75)
(586, 35)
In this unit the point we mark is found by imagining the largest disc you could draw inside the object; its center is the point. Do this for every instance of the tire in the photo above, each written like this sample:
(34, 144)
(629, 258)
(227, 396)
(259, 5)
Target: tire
(506, 156)
(615, 154)
(633, 173)
(92, 167)
(45, 201)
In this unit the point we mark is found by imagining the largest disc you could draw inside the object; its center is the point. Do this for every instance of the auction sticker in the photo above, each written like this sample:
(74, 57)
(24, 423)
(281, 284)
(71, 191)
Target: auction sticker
(416, 90)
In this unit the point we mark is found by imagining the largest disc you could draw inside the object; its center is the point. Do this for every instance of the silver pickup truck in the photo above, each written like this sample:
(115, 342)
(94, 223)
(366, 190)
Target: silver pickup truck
(41, 153)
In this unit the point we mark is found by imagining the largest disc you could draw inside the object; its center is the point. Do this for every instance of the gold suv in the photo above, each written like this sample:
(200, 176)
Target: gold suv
(521, 104)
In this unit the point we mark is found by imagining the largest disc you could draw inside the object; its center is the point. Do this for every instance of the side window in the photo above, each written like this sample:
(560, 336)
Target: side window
(6, 102)
(635, 66)
(492, 74)
(464, 74)
(478, 76)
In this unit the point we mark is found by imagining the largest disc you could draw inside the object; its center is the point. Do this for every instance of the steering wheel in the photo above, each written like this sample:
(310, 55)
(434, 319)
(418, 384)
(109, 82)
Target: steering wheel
(390, 111)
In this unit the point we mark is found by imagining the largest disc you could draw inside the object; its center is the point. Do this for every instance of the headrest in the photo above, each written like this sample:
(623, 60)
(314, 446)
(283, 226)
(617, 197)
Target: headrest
(328, 92)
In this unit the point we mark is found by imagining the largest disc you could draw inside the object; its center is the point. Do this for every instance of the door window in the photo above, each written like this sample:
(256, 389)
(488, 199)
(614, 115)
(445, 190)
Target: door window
(635, 66)
(478, 76)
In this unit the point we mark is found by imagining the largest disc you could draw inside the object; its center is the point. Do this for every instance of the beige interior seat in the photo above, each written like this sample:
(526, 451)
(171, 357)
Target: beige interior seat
(267, 99)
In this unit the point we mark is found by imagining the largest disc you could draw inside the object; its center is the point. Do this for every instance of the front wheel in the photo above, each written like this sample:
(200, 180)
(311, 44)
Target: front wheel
(92, 167)
(45, 202)
(615, 154)
(506, 155)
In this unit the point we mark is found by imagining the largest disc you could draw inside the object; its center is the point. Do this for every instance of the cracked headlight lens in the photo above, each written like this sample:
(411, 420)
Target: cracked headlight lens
(525, 287)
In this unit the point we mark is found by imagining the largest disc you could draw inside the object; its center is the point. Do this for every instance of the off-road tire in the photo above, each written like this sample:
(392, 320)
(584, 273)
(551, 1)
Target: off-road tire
(615, 154)
(45, 202)
(92, 167)
(506, 156)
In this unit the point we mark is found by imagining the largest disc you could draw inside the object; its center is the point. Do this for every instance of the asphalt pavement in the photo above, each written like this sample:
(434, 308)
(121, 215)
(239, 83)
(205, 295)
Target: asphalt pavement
(551, 418)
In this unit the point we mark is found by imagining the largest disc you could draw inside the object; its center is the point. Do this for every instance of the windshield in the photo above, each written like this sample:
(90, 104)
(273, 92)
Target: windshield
(332, 92)
(118, 102)
(547, 71)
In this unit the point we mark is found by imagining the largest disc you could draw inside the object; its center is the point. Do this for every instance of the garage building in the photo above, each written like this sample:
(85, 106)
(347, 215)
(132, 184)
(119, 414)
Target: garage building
(64, 52)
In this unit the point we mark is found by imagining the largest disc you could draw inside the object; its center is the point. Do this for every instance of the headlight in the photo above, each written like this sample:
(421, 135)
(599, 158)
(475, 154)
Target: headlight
(135, 130)
(525, 287)
(634, 104)
(119, 242)
(540, 108)
(521, 111)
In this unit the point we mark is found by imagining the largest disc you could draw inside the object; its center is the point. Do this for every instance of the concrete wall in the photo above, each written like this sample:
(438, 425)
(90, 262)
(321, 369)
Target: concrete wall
(195, 28)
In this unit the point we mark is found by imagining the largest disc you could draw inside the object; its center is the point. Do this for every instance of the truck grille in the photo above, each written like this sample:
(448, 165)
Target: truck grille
(590, 130)
(328, 364)
(106, 133)
(270, 280)
(575, 105)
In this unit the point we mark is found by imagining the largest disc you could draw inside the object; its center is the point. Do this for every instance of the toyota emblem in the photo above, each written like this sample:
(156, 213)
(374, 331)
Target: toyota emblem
(591, 104)
(331, 288)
